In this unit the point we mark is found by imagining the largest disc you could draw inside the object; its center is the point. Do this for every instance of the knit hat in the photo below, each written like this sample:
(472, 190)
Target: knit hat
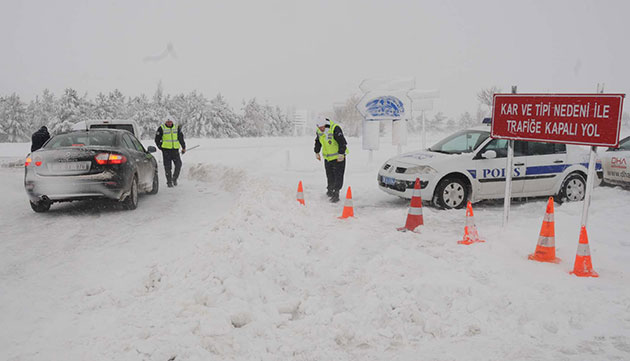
(322, 121)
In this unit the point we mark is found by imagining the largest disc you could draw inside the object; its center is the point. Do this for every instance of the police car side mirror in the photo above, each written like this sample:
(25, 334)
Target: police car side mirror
(489, 154)
(151, 149)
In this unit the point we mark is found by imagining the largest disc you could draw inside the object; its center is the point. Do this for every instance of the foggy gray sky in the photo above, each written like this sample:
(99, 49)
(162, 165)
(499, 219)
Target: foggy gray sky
(311, 54)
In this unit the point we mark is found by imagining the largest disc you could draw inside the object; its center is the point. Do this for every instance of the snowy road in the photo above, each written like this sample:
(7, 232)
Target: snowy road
(229, 266)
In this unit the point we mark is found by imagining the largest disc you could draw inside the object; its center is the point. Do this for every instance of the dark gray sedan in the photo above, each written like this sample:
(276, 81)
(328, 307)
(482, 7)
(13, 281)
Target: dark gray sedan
(91, 164)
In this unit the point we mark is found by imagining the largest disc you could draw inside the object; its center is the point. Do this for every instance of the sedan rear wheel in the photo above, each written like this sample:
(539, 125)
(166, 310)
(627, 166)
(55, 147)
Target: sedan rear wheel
(131, 202)
(40, 207)
(573, 188)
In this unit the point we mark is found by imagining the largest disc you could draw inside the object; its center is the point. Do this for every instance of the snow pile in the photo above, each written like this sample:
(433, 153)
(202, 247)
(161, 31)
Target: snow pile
(229, 266)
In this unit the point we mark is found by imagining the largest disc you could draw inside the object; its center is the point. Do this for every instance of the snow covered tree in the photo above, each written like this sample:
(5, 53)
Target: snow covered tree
(111, 106)
(159, 105)
(254, 119)
(223, 119)
(198, 119)
(117, 105)
(486, 97)
(35, 114)
(141, 111)
(158, 96)
(198, 116)
(347, 115)
(466, 120)
(49, 108)
(15, 127)
(276, 122)
(438, 122)
(101, 110)
(69, 111)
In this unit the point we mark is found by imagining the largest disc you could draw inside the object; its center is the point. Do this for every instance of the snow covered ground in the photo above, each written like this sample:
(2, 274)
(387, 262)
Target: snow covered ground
(228, 266)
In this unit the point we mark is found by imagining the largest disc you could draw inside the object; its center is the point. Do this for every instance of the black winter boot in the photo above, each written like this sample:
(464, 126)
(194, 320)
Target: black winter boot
(335, 197)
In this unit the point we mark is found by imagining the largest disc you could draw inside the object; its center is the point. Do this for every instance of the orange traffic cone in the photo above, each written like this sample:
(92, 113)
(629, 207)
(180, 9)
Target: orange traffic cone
(414, 217)
(300, 194)
(546, 247)
(348, 211)
(470, 231)
(583, 266)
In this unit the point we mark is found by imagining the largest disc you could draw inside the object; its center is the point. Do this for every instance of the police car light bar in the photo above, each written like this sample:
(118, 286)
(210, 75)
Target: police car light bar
(487, 121)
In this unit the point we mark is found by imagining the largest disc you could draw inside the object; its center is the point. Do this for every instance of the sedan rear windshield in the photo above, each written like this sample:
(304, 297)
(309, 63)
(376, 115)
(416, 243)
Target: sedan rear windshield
(127, 127)
(461, 142)
(82, 139)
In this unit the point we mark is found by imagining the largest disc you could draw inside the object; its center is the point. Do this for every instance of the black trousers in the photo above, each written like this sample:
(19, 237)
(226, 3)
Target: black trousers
(168, 156)
(334, 174)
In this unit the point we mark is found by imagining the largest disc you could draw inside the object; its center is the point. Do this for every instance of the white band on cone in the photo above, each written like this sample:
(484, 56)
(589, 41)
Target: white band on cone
(547, 241)
(415, 211)
(583, 249)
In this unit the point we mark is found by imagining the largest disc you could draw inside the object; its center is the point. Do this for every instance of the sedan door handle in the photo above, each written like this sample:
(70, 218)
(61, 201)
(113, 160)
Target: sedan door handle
(519, 164)
(558, 161)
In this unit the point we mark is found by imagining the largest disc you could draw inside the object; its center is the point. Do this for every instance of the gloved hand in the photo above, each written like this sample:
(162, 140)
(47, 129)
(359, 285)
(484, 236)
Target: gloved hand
(318, 156)
(341, 157)
(183, 150)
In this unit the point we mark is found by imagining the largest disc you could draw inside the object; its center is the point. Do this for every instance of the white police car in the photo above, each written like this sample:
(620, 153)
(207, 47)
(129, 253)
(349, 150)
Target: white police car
(469, 165)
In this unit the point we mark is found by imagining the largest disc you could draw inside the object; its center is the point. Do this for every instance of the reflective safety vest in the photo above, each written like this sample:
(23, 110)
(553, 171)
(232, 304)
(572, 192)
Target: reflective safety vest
(169, 137)
(330, 147)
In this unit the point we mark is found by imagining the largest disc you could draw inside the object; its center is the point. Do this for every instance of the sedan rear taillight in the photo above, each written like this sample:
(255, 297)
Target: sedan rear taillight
(110, 158)
(29, 160)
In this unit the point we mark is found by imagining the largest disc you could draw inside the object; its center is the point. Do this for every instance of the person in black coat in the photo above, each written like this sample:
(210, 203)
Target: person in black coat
(39, 138)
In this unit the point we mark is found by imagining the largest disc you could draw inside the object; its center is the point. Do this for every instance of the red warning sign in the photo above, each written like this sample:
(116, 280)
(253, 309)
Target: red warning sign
(586, 119)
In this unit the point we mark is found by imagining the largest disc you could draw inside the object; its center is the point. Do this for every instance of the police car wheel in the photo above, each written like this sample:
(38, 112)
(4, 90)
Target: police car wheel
(573, 188)
(451, 193)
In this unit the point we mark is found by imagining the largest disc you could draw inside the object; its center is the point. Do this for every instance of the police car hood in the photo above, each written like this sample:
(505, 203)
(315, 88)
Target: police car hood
(423, 157)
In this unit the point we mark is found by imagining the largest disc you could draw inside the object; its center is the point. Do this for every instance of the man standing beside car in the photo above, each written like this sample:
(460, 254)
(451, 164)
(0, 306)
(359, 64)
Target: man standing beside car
(330, 140)
(39, 138)
(170, 139)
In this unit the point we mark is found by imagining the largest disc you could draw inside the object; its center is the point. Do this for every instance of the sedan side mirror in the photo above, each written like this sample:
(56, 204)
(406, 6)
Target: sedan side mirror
(489, 154)
(151, 149)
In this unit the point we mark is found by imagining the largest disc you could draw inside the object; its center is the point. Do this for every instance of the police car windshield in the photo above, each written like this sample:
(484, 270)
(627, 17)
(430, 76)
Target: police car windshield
(461, 142)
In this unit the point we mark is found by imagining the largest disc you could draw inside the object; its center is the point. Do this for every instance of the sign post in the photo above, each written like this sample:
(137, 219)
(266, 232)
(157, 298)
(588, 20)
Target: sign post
(589, 185)
(583, 119)
(509, 168)
(508, 182)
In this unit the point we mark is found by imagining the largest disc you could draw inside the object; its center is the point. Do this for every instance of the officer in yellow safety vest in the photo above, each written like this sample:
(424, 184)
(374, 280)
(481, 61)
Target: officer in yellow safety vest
(330, 140)
(170, 139)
